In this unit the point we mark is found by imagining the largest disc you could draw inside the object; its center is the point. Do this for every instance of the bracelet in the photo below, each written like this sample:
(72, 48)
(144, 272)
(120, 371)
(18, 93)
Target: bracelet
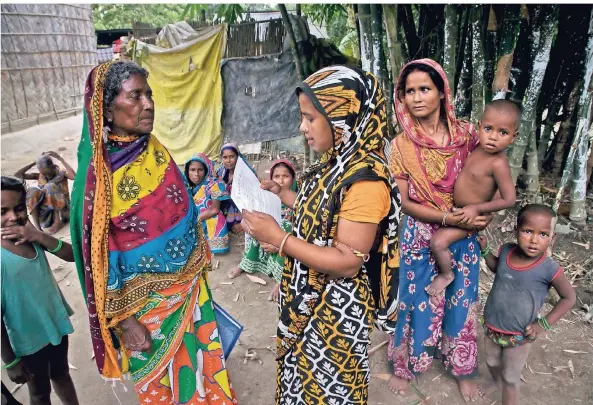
(486, 252)
(57, 249)
(11, 365)
(364, 256)
(280, 251)
(444, 223)
(543, 322)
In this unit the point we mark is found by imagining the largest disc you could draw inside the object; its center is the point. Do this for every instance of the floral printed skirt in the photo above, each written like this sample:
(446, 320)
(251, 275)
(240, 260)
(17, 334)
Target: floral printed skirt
(426, 326)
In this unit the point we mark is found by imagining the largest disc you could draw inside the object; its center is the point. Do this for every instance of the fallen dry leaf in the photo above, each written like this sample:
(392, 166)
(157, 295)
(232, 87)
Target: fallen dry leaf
(575, 351)
(523, 379)
(257, 280)
(571, 368)
(226, 283)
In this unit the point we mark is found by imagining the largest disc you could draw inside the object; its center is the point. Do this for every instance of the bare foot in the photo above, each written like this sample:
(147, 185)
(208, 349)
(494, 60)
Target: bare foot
(438, 285)
(235, 271)
(398, 386)
(488, 388)
(275, 294)
(469, 390)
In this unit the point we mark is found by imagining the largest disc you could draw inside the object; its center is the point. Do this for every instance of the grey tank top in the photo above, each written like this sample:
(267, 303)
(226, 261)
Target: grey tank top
(518, 294)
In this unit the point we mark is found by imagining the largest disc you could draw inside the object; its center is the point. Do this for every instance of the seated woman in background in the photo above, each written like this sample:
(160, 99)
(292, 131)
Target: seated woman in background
(48, 201)
(264, 257)
(208, 193)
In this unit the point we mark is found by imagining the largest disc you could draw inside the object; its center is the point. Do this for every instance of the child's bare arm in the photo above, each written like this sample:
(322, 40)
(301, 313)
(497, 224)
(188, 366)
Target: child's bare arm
(29, 233)
(22, 172)
(490, 258)
(504, 182)
(566, 302)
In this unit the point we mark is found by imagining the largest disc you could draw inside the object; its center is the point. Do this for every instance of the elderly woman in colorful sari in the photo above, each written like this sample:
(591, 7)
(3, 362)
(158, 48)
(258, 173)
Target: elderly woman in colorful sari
(208, 193)
(425, 161)
(140, 252)
(49, 200)
(263, 257)
(346, 213)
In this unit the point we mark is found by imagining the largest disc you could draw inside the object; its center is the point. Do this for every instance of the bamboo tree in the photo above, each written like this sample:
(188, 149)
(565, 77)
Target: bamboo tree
(559, 152)
(580, 144)
(394, 44)
(366, 36)
(506, 50)
(477, 63)
(463, 94)
(490, 52)
(542, 42)
(352, 26)
(523, 61)
(409, 28)
(450, 42)
(464, 37)
(549, 123)
(379, 64)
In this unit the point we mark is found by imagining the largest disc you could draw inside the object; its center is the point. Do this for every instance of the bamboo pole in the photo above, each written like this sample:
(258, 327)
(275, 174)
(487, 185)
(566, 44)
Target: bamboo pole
(462, 96)
(366, 37)
(580, 144)
(450, 42)
(566, 129)
(394, 44)
(506, 50)
(477, 63)
(542, 42)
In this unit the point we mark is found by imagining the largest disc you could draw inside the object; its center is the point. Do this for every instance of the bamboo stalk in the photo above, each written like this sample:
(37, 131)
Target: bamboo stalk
(549, 123)
(477, 63)
(580, 144)
(450, 42)
(462, 96)
(366, 37)
(506, 50)
(542, 40)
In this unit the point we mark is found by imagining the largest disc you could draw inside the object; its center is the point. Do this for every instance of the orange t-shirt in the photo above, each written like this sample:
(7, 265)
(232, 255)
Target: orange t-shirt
(367, 202)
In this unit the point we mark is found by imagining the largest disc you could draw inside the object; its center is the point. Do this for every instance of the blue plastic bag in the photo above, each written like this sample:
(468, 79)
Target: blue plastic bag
(229, 329)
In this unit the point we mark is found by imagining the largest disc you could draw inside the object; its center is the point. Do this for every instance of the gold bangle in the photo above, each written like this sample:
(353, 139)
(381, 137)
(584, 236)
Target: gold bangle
(280, 252)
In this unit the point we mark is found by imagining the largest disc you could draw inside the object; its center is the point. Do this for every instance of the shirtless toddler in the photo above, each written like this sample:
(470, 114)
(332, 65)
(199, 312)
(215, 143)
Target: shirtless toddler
(486, 171)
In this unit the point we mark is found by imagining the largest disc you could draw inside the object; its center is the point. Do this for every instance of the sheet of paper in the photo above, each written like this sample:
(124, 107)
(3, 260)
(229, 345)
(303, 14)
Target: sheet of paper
(247, 193)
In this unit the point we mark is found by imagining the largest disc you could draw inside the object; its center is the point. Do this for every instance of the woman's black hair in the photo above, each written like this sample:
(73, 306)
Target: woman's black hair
(282, 164)
(186, 171)
(10, 183)
(434, 76)
(116, 74)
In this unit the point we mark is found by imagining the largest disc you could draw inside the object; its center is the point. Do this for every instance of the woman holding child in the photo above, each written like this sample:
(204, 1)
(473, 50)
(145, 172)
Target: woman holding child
(343, 209)
(425, 161)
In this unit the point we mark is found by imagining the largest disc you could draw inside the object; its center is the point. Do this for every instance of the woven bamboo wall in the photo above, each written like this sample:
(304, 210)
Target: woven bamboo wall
(47, 52)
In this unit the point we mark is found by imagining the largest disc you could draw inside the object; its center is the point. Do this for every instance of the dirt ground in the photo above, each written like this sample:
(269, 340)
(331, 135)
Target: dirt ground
(570, 343)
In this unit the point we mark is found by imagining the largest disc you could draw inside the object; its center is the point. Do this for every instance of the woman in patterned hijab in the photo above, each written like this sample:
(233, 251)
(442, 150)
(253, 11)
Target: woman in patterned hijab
(344, 241)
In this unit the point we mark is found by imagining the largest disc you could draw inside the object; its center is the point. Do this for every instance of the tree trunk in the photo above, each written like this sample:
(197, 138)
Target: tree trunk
(506, 49)
(298, 10)
(566, 129)
(463, 94)
(580, 145)
(394, 44)
(550, 122)
(366, 37)
(542, 41)
(297, 62)
(464, 38)
(477, 63)
(523, 62)
(450, 42)
(380, 65)
(490, 53)
(352, 25)
(412, 40)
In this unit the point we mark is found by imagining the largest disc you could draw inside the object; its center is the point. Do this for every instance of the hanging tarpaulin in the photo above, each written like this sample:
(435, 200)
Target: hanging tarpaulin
(187, 91)
(259, 98)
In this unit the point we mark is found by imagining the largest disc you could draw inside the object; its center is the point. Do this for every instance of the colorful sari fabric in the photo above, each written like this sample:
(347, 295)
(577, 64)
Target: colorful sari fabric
(255, 258)
(449, 325)
(51, 198)
(228, 207)
(209, 190)
(142, 254)
(324, 329)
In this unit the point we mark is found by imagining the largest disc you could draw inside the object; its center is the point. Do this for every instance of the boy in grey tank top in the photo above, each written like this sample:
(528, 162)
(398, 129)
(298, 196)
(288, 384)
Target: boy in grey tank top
(524, 275)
